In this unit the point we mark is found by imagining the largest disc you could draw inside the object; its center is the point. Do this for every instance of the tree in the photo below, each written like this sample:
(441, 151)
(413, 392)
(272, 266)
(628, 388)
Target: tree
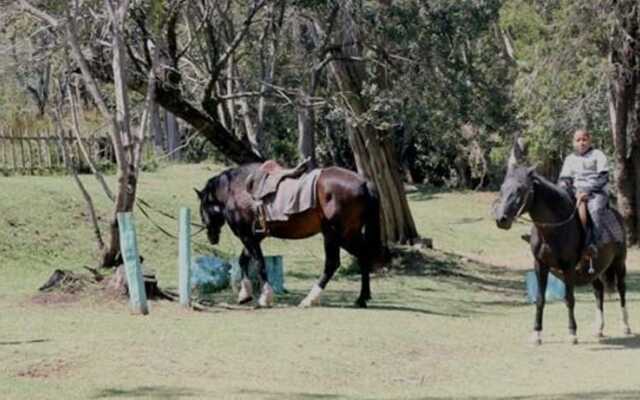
(624, 99)
(373, 149)
(127, 144)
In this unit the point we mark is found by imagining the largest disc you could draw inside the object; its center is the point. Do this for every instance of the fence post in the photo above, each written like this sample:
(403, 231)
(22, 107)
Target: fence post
(184, 257)
(129, 250)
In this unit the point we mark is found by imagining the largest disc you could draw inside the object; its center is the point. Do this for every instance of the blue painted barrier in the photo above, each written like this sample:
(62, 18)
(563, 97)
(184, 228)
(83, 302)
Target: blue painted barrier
(275, 273)
(555, 287)
(209, 274)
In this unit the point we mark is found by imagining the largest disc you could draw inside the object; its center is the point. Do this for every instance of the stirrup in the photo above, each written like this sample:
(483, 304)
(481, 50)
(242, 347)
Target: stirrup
(260, 223)
(591, 271)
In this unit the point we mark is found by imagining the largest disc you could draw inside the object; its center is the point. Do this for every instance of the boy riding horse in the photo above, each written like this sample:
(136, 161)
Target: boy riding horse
(587, 172)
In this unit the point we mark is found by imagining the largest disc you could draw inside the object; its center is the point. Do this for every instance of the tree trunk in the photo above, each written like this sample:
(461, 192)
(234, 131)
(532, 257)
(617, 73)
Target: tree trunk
(173, 135)
(374, 152)
(156, 129)
(619, 102)
(121, 134)
(306, 130)
(623, 87)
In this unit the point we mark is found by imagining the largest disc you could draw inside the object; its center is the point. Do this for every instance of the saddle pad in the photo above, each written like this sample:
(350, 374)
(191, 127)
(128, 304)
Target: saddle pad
(611, 229)
(294, 195)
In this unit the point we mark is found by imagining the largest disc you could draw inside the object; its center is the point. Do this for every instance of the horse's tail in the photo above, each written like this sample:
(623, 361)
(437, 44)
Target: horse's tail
(372, 229)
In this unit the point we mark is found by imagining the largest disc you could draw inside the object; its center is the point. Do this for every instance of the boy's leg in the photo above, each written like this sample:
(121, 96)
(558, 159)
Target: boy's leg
(596, 204)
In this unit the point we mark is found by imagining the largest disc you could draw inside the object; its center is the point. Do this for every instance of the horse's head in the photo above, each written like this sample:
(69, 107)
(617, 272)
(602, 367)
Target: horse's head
(516, 190)
(212, 206)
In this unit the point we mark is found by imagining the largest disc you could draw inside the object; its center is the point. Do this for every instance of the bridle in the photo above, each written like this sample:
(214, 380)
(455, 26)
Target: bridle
(544, 224)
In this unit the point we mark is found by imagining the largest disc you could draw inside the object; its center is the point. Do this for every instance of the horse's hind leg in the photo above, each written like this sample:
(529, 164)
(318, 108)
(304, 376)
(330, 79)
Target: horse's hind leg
(598, 325)
(331, 263)
(357, 247)
(621, 271)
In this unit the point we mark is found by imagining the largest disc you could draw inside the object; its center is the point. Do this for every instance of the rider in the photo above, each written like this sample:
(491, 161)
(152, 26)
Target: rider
(587, 172)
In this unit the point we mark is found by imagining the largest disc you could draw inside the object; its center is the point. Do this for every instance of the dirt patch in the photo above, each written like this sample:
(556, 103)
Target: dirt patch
(45, 369)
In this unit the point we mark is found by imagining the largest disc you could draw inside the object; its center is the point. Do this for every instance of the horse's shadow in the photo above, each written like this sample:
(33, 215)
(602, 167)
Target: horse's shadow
(629, 342)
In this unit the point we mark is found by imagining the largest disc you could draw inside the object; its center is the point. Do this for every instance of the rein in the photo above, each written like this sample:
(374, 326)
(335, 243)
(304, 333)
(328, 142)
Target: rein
(544, 224)
(142, 204)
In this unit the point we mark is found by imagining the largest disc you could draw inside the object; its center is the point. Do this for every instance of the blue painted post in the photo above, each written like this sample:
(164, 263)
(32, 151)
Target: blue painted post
(129, 249)
(184, 257)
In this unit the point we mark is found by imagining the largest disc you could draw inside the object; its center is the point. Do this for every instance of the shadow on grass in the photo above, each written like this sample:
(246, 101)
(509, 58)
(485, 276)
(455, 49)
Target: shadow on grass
(154, 392)
(457, 270)
(614, 395)
(306, 276)
(475, 288)
(426, 193)
(19, 342)
(268, 395)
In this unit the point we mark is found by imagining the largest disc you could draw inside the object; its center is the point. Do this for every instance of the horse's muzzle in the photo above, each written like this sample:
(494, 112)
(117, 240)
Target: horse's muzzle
(214, 237)
(503, 222)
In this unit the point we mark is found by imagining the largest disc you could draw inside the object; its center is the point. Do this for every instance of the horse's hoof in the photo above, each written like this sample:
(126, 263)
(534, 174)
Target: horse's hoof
(313, 298)
(307, 302)
(245, 294)
(627, 331)
(361, 303)
(536, 338)
(304, 304)
(573, 339)
(266, 298)
(264, 303)
(598, 334)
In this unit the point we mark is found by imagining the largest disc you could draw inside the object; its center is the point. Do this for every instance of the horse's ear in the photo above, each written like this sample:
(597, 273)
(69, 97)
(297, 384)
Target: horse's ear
(518, 152)
(199, 193)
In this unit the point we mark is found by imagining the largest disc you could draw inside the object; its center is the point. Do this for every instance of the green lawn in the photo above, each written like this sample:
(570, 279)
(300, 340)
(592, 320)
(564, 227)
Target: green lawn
(445, 323)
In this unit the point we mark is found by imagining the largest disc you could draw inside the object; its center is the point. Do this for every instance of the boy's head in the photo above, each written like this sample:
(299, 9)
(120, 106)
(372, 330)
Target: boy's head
(581, 141)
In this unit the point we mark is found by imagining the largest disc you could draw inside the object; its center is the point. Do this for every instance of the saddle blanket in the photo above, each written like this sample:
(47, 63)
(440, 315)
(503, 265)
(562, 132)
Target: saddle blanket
(293, 196)
(611, 229)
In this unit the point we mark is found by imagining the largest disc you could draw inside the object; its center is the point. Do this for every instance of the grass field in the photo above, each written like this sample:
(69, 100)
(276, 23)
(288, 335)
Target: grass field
(449, 323)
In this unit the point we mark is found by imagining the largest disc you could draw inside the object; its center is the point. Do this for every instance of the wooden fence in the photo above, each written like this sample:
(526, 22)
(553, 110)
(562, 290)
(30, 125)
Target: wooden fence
(43, 153)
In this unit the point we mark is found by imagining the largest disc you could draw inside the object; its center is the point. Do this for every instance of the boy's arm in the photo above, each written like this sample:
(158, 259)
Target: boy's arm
(602, 167)
(566, 173)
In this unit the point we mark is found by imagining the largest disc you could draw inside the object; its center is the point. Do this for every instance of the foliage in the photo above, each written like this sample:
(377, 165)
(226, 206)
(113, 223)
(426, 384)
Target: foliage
(562, 82)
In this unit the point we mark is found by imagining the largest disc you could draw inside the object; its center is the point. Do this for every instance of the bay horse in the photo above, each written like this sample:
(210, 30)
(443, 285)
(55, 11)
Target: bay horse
(557, 239)
(346, 213)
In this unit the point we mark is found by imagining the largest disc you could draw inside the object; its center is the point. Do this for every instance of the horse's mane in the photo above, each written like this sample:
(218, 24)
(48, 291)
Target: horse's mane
(555, 189)
(232, 174)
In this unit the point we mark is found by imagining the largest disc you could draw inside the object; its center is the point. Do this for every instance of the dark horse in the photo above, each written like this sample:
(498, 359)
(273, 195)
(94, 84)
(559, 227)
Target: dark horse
(346, 213)
(557, 238)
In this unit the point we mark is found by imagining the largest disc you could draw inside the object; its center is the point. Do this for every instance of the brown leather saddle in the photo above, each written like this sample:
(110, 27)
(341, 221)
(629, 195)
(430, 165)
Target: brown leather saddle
(264, 182)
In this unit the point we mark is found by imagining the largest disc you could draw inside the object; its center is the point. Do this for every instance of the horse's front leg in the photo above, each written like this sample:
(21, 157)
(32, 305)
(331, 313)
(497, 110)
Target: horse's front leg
(266, 295)
(245, 294)
(569, 282)
(331, 263)
(542, 272)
